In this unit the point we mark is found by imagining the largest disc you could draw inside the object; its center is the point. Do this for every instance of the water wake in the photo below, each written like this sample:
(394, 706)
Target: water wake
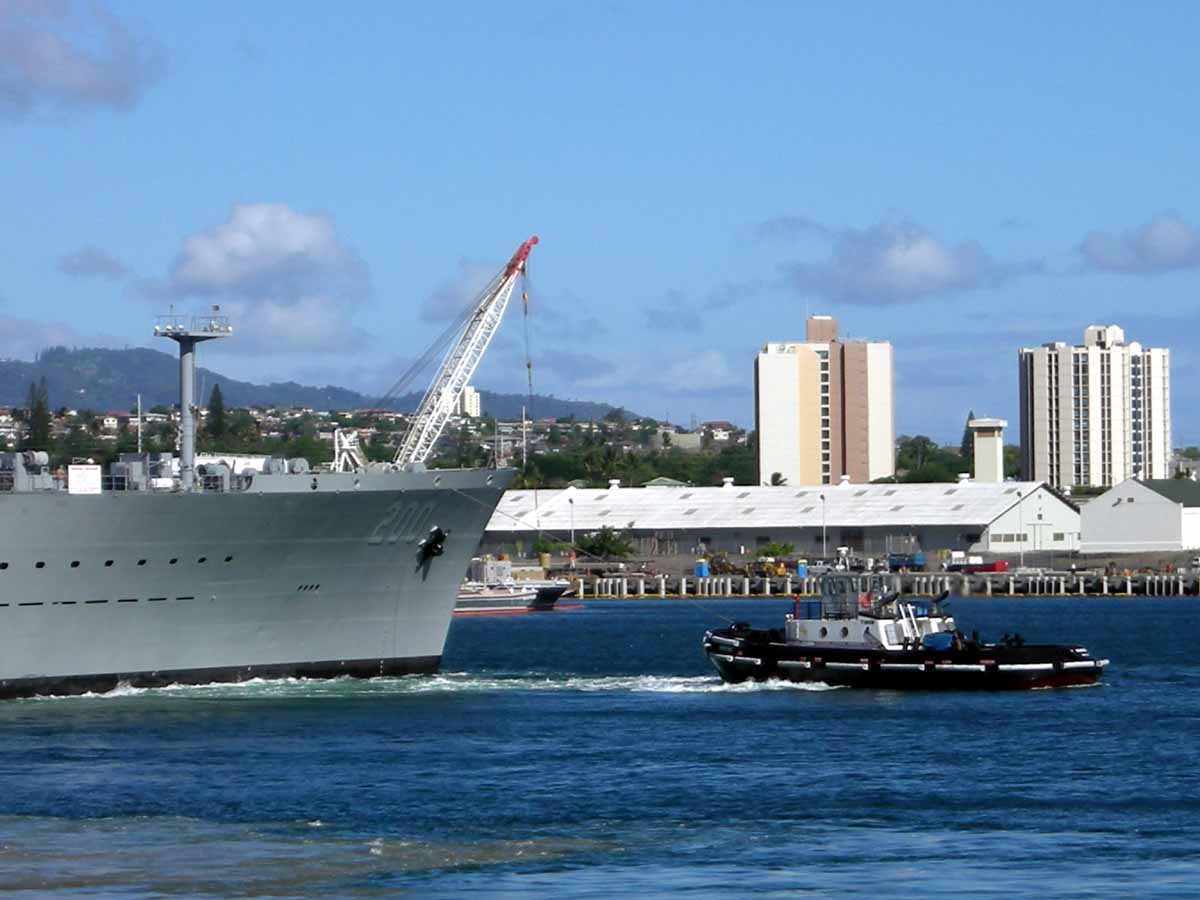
(450, 683)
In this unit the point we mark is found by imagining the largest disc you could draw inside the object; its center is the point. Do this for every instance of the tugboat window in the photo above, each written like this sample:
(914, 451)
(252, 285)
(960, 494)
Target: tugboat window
(845, 631)
(824, 631)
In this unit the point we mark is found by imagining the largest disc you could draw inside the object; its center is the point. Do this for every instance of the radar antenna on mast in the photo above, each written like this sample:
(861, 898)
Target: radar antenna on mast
(461, 362)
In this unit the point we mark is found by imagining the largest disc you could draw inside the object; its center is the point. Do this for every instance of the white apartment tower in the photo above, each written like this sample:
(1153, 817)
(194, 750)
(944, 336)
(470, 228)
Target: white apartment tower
(1096, 414)
(468, 403)
(823, 408)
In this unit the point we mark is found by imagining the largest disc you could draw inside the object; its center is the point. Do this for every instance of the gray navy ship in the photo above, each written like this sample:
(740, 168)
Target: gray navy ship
(165, 572)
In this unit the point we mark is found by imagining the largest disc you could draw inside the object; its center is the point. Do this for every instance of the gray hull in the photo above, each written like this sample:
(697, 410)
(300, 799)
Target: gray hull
(314, 575)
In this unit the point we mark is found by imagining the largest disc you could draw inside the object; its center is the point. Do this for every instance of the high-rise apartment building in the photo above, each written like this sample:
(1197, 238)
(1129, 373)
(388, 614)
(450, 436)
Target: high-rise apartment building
(823, 408)
(468, 403)
(1095, 414)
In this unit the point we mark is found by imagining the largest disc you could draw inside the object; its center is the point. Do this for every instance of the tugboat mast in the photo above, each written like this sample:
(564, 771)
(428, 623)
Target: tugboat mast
(187, 332)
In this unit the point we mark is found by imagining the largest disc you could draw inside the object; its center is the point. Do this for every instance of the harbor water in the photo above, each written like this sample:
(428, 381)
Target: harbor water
(594, 751)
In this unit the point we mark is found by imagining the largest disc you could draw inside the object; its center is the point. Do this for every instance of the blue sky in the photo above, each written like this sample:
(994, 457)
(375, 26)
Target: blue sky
(961, 181)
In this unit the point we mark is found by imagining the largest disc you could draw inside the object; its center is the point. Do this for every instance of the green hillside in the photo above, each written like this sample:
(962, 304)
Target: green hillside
(101, 379)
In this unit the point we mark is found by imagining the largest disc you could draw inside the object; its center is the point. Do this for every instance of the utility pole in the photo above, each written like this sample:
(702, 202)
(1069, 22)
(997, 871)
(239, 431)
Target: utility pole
(1021, 528)
(139, 425)
(824, 548)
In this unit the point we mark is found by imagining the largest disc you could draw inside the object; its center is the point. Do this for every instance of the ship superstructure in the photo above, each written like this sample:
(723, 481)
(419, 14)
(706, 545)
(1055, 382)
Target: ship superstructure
(164, 571)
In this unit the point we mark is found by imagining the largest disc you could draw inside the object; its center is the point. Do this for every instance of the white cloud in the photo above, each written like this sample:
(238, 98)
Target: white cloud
(681, 372)
(897, 262)
(92, 262)
(284, 278)
(456, 295)
(25, 338)
(265, 250)
(70, 55)
(308, 324)
(1164, 243)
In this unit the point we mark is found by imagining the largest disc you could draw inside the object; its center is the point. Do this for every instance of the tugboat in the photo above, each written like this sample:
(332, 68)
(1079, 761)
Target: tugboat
(860, 633)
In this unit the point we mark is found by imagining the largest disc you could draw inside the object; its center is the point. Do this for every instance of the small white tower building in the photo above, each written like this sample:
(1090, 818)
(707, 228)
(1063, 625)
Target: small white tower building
(989, 448)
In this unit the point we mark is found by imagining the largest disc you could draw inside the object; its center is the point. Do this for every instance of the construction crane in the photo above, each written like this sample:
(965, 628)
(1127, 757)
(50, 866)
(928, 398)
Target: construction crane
(461, 362)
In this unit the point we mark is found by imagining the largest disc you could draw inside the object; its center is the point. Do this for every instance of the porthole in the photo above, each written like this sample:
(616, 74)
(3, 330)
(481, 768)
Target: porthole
(39, 565)
(229, 559)
(202, 559)
(845, 631)
(173, 560)
(3, 565)
(141, 562)
(74, 564)
(108, 562)
(824, 631)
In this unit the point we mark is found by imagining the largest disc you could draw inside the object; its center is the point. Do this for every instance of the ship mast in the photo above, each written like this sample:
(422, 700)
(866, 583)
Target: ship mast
(462, 360)
(188, 332)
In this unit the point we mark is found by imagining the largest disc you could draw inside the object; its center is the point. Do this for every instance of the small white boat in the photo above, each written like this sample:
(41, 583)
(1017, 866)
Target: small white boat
(475, 598)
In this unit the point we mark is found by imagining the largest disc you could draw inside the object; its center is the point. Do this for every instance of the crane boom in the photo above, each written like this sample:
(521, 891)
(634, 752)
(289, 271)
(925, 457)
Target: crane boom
(461, 362)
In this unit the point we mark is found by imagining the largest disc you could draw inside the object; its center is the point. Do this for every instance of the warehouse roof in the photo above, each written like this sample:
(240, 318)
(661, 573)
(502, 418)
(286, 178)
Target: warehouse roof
(1177, 490)
(730, 506)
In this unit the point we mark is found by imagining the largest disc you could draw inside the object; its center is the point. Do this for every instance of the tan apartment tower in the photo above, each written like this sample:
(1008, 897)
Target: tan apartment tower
(823, 408)
(1097, 414)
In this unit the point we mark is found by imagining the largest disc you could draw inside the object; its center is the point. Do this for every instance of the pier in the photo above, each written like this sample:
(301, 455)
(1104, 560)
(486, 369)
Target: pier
(916, 584)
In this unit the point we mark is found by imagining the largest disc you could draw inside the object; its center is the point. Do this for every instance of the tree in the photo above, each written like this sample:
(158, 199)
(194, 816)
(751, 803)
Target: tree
(216, 414)
(967, 448)
(1012, 461)
(777, 550)
(615, 416)
(38, 433)
(607, 543)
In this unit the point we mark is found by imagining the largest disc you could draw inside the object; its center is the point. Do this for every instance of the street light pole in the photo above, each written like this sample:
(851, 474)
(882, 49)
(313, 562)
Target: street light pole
(824, 548)
(1021, 528)
(571, 501)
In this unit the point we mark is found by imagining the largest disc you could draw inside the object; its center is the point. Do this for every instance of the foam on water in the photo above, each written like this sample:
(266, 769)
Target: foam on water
(448, 682)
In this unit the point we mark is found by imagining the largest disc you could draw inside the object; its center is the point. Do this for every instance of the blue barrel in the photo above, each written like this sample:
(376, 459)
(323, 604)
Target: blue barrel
(702, 568)
(801, 570)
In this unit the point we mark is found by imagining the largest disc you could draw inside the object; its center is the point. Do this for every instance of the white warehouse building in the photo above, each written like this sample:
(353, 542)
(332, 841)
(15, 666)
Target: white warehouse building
(1152, 515)
(872, 519)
